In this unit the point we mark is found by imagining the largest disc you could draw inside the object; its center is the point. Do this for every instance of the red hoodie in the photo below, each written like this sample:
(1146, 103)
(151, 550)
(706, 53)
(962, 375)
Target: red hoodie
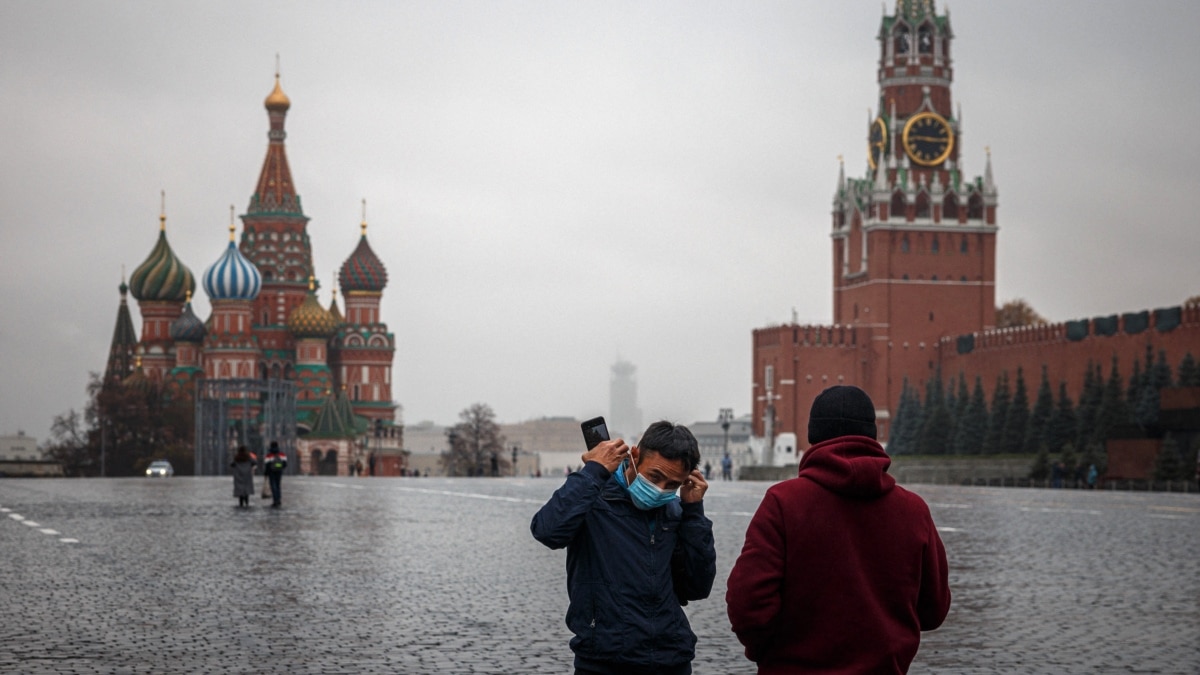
(842, 568)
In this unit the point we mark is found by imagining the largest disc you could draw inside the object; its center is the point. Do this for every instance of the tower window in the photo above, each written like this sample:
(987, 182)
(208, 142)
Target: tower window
(922, 205)
(975, 207)
(935, 247)
(933, 278)
(904, 245)
(903, 39)
(964, 247)
(950, 207)
(925, 39)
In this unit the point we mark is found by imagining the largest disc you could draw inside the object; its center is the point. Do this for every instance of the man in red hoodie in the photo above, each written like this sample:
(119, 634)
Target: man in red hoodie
(842, 569)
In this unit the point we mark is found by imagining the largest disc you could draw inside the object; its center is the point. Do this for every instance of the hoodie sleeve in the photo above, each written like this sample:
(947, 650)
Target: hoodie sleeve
(694, 560)
(556, 523)
(933, 603)
(753, 596)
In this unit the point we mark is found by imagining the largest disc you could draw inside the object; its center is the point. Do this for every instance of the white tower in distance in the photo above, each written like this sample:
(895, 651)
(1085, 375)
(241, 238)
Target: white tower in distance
(624, 416)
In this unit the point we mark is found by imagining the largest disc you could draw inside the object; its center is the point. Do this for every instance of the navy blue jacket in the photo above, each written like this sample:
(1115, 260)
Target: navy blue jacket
(628, 571)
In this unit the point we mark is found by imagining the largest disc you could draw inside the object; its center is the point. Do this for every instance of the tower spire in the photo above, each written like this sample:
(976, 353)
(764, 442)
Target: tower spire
(989, 185)
(275, 194)
(162, 215)
(364, 216)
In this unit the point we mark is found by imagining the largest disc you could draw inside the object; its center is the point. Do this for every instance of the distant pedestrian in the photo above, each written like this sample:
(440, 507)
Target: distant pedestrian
(707, 470)
(1092, 476)
(243, 476)
(1056, 474)
(726, 467)
(274, 466)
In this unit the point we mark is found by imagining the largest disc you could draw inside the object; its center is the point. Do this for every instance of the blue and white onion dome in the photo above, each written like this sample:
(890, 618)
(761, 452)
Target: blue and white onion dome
(232, 276)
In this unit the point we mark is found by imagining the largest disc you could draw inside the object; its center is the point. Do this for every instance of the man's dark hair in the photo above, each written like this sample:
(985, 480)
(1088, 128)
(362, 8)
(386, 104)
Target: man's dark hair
(671, 441)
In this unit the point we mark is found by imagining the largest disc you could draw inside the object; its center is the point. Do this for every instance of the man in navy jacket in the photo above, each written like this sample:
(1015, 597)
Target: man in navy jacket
(636, 552)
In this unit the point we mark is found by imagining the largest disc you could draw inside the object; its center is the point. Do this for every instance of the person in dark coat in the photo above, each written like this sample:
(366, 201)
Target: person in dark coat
(243, 476)
(636, 552)
(842, 569)
(273, 467)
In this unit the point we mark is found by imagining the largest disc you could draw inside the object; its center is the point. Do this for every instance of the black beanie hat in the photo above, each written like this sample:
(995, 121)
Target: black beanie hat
(841, 411)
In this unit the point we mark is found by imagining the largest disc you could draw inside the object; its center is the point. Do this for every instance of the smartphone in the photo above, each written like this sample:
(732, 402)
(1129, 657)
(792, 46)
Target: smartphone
(594, 431)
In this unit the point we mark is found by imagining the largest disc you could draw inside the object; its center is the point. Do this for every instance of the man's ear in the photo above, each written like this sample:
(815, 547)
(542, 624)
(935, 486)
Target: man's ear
(636, 454)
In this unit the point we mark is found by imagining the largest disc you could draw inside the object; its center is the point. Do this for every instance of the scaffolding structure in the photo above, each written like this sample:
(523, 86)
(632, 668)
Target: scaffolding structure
(230, 413)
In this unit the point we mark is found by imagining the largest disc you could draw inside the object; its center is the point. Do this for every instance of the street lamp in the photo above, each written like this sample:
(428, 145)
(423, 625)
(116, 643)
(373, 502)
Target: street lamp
(724, 418)
(515, 451)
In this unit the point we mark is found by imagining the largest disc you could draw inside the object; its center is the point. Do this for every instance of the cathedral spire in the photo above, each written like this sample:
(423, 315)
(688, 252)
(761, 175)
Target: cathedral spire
(275, 193)
(124, 341)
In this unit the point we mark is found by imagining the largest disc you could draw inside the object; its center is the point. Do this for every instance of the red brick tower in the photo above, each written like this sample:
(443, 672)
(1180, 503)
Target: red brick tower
(362, 349)
(275, 239)
(914, 244)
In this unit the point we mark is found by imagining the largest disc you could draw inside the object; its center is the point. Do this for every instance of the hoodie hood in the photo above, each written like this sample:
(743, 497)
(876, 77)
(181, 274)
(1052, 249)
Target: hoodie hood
(851, 466)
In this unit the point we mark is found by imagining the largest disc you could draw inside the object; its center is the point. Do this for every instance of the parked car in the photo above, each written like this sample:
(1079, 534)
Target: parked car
(160, 469)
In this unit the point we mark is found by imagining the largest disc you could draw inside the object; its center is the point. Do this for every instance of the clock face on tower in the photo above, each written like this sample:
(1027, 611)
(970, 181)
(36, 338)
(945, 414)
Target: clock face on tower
(928, 139)
(877, 142)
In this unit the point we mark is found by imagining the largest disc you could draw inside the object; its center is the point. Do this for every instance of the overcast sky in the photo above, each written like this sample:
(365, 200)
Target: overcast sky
(552, 185)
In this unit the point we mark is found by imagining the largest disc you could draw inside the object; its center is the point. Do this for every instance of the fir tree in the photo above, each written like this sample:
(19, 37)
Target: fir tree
(1089, 404)
(908, 422)
(1039, 418)
(1189, 373)
(1063, 425)
(1113, 407)
(934, 437)
(974, 427)
(1016, 423)
(1169, 463)
(962, 404)
(993, 442)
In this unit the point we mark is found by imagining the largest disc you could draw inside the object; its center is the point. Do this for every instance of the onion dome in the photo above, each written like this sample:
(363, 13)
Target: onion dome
(277, 101)
(232, 276)
(138, 380)
(162, 276)
(188, 327)
(363, 271)
(310, 319)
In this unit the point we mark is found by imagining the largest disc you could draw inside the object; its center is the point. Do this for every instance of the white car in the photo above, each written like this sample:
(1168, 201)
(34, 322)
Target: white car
(160, 469)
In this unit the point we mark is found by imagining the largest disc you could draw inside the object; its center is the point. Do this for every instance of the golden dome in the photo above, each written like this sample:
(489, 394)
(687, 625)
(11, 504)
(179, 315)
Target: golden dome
(310, 319)
(277, 100)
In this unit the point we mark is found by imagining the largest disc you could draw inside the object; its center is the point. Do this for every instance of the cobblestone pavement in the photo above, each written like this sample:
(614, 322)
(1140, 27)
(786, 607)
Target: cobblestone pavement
(442, 575)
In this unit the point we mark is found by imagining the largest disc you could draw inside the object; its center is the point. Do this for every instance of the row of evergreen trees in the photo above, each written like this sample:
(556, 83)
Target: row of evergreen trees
(953, 419)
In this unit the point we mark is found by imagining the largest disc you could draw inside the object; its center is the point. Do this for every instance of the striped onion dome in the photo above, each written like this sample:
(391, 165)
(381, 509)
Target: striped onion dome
(188, 327)
(232, 277)
(161, 276)
(363, 271)
(310, 319)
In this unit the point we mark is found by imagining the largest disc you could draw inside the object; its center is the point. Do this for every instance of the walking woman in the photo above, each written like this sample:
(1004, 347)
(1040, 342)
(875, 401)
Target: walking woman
(243, 476)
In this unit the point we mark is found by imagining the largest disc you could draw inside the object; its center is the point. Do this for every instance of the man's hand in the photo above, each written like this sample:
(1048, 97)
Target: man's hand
(609, 453)
(693, 489)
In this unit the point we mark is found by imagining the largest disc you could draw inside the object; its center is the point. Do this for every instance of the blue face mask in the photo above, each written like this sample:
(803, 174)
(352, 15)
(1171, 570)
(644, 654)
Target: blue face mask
(645, 495)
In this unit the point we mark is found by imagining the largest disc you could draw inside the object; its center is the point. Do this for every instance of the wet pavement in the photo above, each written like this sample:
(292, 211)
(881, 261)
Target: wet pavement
(441, 575)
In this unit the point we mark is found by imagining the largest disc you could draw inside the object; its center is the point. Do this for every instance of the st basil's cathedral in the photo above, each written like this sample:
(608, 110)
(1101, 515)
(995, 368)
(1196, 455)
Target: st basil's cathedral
(267, 323)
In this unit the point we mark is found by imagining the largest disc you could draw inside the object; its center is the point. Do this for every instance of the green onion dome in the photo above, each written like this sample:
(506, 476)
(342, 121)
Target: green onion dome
(310, 319)
(162, 276)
